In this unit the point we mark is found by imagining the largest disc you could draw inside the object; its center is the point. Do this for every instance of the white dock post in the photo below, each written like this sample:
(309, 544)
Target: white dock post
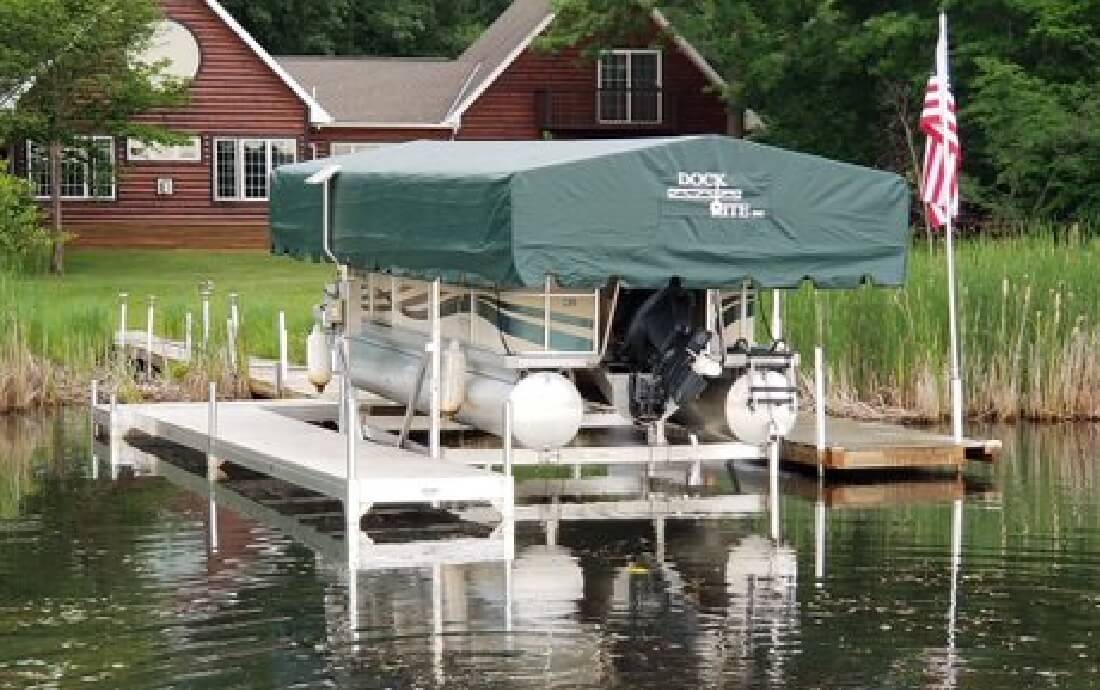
(743, 312)
(114, 439)
(777, 315)
(235, 311)
(350, 403)
(773, 481)
(187, 345)
(123, 297)
(819, 407)
(211, 429)
(206, 289)
(437, 373)
(150, 314)
(507, 447)
(284, 356)
(231, 344)
(819, 540)
(93, 427)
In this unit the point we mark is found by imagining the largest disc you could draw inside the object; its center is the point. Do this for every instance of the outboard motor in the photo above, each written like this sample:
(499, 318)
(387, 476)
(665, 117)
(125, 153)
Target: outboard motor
(665, 353)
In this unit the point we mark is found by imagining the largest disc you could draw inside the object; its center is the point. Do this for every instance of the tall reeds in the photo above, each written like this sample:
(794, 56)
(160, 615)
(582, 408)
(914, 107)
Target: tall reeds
(1029, 328)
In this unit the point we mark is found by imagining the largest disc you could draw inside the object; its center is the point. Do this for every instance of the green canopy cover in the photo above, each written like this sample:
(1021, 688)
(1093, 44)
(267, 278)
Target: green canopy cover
(713, 211)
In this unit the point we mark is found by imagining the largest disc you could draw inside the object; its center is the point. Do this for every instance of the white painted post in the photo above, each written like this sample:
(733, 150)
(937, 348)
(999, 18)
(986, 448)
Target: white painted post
(187, 344)
(436, 345)
(114, 436)
(819, 540)
(149, 320)
(231, 344)
(93, 426)
(743, 316)
(773, 481)
(819, 407)
(122, 304)
(350, 403)
(546, 313)
(777, 315)
(211, 429)
(507, 447)
(206, 290)
(235, 311)
(284, 354)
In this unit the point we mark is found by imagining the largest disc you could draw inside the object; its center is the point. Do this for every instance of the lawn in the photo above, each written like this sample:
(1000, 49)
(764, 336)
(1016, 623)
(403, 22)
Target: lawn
(71, 319)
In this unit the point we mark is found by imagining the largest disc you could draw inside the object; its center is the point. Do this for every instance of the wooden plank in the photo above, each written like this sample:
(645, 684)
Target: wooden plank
(855, 445)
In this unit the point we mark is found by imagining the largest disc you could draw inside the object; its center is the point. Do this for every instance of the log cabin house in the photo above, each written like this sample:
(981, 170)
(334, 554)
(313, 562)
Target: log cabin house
(250, 112)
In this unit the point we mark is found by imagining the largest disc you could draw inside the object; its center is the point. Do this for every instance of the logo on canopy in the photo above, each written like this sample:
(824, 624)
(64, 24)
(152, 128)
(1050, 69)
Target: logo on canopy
(714, 189)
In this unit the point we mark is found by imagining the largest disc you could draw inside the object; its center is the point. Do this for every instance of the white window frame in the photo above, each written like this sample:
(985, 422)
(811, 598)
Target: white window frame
(239, 171)
(86, 196)
(630, 52)
(354, 147)
(157, 153)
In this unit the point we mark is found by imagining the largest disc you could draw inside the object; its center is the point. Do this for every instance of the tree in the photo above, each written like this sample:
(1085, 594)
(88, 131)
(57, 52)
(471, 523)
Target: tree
(77, 70)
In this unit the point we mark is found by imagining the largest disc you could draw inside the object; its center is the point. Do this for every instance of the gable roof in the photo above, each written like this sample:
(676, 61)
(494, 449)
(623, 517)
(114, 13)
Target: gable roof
(444, 89)
(317, 113)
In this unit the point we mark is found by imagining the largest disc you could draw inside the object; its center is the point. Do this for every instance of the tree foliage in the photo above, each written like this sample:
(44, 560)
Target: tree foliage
(22, 235)
(845, 79)
(366, 27)
(75, 67)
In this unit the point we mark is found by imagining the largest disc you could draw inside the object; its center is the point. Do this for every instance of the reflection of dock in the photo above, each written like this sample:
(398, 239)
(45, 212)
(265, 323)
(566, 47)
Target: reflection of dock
(855, 445)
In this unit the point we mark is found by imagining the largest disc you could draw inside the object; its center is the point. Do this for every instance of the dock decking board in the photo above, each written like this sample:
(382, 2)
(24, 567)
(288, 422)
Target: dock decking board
(257, 436)
(856, 445)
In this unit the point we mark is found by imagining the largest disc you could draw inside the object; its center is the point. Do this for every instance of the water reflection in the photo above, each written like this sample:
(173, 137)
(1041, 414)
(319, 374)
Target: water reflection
(984, 582)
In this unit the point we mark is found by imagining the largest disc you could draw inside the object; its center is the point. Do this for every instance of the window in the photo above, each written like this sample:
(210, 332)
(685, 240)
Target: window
(629, 86)
(138, 150)
(343, 148)
(87, 170)
(243, 167)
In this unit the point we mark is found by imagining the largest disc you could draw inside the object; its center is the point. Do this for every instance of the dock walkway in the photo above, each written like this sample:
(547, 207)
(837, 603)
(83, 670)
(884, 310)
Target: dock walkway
(257, 436)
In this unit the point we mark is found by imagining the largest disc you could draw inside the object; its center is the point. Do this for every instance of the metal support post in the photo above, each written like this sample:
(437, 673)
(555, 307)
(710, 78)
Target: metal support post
(350, 403)
(123, 297)
(773, 481)
(743, 315)
(231, 344)
(546, 312)
(819, 408)
(284, 354)
(506, 439)
(114, 437)
(93, 427)
(435, 384)
(206, 290)
(819, 540)
(211, 430)
(235, 311)
(150, 316)
(187, 341)
(777, 315)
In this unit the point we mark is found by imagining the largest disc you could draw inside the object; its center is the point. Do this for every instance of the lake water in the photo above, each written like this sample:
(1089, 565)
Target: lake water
(112, 583)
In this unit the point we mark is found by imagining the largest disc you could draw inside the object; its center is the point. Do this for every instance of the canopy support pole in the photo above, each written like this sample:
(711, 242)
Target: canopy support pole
(777, 315)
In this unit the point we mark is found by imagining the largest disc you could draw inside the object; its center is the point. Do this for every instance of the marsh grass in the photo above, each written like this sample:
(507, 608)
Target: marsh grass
(1029, 328)
(56, 333)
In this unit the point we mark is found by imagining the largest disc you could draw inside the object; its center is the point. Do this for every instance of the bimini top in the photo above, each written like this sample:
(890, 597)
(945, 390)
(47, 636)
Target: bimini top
(711, 210)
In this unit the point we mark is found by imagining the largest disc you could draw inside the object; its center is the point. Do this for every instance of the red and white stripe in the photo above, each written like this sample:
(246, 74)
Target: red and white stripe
(942, 151)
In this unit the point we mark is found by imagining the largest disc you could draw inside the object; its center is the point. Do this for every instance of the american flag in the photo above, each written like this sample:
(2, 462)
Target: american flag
(942, 151)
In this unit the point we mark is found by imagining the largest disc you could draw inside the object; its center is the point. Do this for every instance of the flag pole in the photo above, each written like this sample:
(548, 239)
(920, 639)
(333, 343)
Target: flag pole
(952, 307)
(949, 238)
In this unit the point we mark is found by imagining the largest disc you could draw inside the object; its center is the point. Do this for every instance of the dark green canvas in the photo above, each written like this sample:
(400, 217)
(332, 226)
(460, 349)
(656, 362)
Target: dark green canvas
(711, 210)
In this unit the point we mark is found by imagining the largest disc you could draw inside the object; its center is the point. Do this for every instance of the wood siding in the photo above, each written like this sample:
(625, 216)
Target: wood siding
(509, 108)
(235, 95)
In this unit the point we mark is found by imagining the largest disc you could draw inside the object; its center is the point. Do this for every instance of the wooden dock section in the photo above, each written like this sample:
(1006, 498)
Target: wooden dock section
(855, 445)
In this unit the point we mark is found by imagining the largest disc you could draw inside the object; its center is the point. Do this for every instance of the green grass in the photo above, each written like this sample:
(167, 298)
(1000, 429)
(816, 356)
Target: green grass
(71, 319)
(1030, 330)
